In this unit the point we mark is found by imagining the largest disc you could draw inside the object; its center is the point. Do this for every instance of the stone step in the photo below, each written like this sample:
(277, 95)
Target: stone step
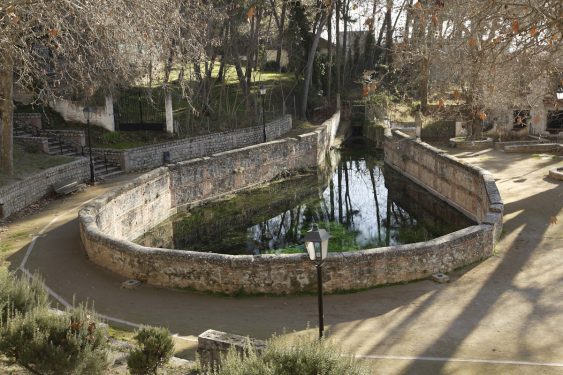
(109, 175)
(102, 169)
(64, 151)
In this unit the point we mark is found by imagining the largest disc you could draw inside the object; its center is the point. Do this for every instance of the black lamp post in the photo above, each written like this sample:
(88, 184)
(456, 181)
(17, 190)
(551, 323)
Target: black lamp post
(87, 112)
(316, 244)
(263, 94)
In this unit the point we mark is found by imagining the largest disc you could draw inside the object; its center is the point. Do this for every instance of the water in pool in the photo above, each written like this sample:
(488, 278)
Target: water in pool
(362, 204)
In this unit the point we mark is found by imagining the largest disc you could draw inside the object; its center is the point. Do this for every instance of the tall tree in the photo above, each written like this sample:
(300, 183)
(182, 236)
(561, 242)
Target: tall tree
(322, 15)
(76, 48)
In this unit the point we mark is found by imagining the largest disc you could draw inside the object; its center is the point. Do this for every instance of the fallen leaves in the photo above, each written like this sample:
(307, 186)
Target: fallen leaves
(515, 26)
(250, 13)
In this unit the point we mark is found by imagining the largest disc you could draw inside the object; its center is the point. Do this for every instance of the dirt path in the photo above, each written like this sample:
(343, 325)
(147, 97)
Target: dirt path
(504, 315)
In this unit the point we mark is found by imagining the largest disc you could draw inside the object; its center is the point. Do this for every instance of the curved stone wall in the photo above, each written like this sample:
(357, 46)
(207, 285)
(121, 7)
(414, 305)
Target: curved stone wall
(109, 224)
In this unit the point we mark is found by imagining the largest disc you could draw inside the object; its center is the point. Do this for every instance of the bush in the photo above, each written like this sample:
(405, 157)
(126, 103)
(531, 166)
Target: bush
(17, 296)
(284, 357)
(271, 66)
(155, 348)
(49, 343)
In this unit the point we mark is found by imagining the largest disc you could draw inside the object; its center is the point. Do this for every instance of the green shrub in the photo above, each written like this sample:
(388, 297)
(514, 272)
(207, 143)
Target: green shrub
(155, 348)
(306, 355)
(17, 296)
(46, 342)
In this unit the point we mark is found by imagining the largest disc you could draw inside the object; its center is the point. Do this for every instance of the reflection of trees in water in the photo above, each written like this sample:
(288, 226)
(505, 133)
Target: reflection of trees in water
(344, 201)
(355, 205)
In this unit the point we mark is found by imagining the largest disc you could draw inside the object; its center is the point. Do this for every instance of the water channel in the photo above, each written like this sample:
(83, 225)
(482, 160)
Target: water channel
(360, 202)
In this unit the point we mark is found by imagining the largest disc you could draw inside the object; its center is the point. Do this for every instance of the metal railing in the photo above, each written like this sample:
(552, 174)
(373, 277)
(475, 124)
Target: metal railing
(63, 142)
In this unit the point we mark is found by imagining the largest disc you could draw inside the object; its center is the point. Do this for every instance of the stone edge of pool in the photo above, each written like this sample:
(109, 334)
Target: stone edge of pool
(111, 222)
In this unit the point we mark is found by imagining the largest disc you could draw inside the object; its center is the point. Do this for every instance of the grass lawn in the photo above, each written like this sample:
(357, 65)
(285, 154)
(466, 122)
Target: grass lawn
(27, 163)
(228, 110)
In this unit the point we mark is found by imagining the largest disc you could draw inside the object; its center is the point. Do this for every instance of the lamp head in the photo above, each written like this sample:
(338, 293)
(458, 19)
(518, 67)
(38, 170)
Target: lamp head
(316, 243)
(87, 112)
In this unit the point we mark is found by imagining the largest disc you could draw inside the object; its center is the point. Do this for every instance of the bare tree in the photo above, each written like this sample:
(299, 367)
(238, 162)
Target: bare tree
(482, 54)
(75, 48)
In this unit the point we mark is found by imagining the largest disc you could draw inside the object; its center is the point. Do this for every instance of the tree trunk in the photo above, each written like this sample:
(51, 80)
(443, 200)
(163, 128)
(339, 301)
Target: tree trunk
(389, 35)
(329, 83)
(309, 67)
(280, 37)
(338, 51)
(408, 21)
(423, 84)
(7, 109)
(345, 39)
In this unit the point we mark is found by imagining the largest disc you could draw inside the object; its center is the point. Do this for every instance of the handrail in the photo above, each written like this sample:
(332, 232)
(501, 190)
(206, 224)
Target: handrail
(45, 132)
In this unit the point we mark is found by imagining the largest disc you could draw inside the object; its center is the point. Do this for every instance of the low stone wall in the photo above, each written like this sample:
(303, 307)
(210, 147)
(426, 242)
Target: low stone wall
(470, 189)
(39, 143)
(502, 145)
(213, 345)
(553, 148)
(152, 156)
(27, 120)
(21, 194)
(109, 224)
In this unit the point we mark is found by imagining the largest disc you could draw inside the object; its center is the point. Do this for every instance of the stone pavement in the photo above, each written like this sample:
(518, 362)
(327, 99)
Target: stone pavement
(502, 316)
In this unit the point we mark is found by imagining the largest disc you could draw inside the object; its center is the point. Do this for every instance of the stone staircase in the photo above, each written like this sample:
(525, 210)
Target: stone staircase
(103, 168)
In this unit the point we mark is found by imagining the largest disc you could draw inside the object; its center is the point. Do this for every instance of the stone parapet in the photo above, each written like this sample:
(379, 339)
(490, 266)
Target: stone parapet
(108, 224)
(470, 189)
(21, 194)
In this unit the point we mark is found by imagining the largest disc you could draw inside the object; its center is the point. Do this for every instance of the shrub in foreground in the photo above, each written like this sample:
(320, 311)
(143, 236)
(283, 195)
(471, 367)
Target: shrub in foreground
(155, 348)
(46, 342)
(306, 356)
(19, 295)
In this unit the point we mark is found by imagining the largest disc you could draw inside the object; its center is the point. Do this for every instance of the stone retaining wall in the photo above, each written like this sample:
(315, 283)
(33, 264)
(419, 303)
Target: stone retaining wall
(39, 143)
(470, 189)
(152, 156)
(27, 120)
(108, 224)
(21, 194)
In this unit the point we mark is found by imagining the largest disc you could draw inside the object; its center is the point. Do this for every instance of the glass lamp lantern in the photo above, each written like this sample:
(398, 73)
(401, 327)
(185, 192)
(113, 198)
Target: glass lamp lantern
(316, 243)
(87, 112)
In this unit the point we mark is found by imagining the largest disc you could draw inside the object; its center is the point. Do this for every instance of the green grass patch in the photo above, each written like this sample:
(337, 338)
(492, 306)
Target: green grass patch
(18, 235)
(28, 163)
(5, 247)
